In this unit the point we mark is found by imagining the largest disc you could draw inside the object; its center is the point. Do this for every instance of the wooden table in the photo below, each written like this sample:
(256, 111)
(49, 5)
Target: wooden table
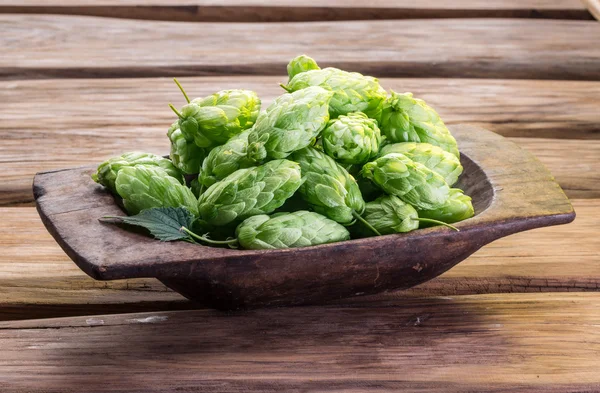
(83, 80)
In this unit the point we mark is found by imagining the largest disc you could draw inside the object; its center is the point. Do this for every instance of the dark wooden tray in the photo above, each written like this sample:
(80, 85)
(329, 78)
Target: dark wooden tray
(511, 190)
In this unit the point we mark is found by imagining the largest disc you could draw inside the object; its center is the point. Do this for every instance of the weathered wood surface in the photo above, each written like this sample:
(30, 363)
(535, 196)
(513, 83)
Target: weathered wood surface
(44, 282)
(83, 121)
(38, 46)
(305, 10)
(484, 343)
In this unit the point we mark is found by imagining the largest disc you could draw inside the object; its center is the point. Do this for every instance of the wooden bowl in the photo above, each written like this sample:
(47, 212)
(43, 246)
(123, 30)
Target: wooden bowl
(511, 190)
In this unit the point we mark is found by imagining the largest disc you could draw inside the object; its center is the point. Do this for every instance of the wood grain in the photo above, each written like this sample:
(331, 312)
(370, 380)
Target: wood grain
(485, 343)
(39, 46)
(44, 282)
(83, 121)
(306, 10)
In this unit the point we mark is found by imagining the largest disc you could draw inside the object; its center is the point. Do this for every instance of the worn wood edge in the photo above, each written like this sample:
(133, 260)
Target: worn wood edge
(498, 220)
(273, 13)
(522, 342)
(593, 7)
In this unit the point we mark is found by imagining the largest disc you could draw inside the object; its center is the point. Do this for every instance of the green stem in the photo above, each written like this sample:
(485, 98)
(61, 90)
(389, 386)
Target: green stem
(284, 87)
(202, 189)
(202, 238)
(359, 218)
(176, 111)
(437, 222)
(183, 91)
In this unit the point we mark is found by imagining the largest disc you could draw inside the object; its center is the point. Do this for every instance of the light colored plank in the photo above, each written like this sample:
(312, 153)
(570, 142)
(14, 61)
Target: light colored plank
(305, 10)
(79, 122)
(37, 279)
(484, 343)
(44, 46)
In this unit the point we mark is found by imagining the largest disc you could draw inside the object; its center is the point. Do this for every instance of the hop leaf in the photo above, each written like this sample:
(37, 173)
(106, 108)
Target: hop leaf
(164, 223)
(144, 187)
(352, 139)
(408, 119)
(291, 123)
(300, 64)
(412, 182)
(433, 157)
(353, 92)
(250, 191)
(107, 171)
(328, 187)
(284, 230)
(458, 207)
(185, 154)
(225, 159)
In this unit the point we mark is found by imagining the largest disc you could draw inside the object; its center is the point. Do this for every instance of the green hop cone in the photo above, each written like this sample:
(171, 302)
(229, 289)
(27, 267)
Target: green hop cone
(354, 92)
(328, 187)
(213, 120)
(107, 171)
(284, 230)
(250, 191)
(458, 207)
(291, 123)
(408, 119)
(433, 157)
(388, 214)
(144, 187)
(223, 160)
(352, 139)
(300, 64)
(186, 155)
(412, 182)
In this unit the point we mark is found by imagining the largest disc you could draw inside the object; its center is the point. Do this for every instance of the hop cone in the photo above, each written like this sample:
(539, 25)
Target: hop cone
(186, 155)
(250, 191)
(109, 169)
(284, 230)
(433, 157)
(458, 207)
(388, 214)
(144, 187)
(225, 159)
(328, 187)
(352, 139)
(408, 119)
(291, 123)
(213, 120)
(412, 182)
(300, 64)
(354, 92)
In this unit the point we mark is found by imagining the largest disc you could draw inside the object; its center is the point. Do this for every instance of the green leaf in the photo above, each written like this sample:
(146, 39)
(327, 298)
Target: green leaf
(164, 223)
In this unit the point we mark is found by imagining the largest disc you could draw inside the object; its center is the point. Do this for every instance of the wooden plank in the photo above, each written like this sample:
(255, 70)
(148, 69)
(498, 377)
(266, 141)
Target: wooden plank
(306, 10)
(484, 343)
(39, 46)
(78, 122)
(42, 281)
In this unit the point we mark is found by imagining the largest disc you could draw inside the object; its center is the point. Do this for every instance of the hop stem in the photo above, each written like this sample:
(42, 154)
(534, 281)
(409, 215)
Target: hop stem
(176, 111)
(183, 91)
(437, 222)
(206, 240)
(285, 88)
(359, 218)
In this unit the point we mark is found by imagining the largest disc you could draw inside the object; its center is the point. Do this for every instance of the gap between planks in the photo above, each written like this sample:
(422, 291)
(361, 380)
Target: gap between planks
(44, 282)
(302, 11)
